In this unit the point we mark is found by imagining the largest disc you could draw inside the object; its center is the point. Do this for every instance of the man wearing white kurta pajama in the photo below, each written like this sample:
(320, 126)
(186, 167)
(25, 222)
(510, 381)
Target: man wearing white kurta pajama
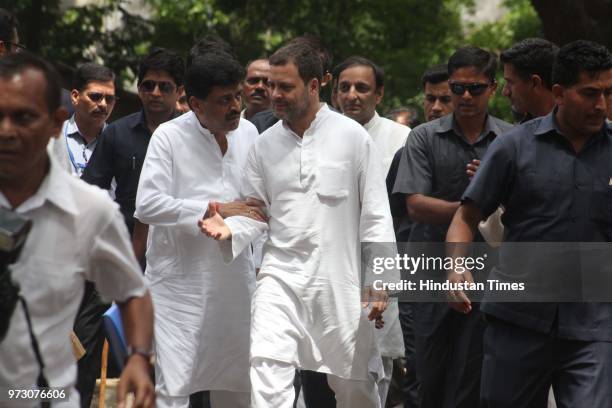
(320, 177)
(202, 305)
(360, 89)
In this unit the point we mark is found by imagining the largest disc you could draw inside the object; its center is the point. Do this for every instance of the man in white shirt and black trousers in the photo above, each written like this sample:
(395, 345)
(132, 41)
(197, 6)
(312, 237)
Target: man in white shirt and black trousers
(77, 234)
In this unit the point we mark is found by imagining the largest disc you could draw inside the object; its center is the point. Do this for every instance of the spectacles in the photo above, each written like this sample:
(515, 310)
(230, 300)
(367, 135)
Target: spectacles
(148, 86)
(474, 89)
(98, 96)
(255, 80)
(16, 46)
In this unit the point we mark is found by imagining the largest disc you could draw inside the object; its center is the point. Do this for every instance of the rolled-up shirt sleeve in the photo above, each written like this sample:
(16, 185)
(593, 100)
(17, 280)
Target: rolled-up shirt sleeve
(492, 183)
(414, 175)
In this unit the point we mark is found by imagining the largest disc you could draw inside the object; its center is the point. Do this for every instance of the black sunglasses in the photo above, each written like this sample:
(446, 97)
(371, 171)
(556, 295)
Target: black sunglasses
(148, 86)
(98, 96)
(474, 89)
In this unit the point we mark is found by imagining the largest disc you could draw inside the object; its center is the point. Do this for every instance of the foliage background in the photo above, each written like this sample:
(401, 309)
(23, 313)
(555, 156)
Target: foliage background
(402, 36)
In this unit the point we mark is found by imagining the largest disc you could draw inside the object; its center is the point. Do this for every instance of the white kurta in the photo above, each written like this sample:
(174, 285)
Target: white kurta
(325, 193)
(389, 137)
(202, 305)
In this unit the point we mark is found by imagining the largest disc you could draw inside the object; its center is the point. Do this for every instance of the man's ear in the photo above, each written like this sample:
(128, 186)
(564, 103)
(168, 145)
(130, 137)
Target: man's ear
(58, 117)
(313, 86)
(3, 48)
(536, 81)
(558, 92)
(74, 97)
(194, 103)
(380, 92)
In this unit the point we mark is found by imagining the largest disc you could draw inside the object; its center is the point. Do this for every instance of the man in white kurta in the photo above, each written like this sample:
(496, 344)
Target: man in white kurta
(319, 175)
(360, 89)
(202, 305)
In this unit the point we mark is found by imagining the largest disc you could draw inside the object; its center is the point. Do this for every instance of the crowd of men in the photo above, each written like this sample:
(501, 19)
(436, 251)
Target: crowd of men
(244, 198)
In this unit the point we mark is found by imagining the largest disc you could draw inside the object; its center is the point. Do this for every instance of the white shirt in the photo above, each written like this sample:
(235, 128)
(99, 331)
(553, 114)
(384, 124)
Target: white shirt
(389, 137)
(202, 305)
(78, 233)
(325, 193)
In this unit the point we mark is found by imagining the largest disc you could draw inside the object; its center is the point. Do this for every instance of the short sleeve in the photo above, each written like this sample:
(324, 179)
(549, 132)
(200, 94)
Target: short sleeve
(414, 175)
(113, 266)
(492, 183)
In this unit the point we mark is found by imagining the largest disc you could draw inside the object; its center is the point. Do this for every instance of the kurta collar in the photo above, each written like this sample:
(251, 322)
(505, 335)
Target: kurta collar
(319, 117)
(372, 122)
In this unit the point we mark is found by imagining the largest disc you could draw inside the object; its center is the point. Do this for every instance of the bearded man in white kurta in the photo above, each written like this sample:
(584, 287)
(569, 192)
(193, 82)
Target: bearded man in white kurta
(319, 175)
(360, 89)
(202, 305)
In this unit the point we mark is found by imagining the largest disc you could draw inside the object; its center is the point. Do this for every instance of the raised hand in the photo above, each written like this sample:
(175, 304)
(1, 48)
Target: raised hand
(213, 225)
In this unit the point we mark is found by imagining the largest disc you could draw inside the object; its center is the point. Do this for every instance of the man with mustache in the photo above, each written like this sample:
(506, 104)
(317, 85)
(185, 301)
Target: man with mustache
(118, 156)
(93, 99)
(202, 304)
(433, 176)
(255, 88)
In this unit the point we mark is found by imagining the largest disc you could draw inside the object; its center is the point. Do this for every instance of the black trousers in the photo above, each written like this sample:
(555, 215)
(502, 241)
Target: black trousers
(90, 331)
(520, 365)
(448, 355)
(410, 384)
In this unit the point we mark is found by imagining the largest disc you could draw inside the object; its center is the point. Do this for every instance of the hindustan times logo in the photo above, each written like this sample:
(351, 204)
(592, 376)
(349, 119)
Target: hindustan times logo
(413, 264)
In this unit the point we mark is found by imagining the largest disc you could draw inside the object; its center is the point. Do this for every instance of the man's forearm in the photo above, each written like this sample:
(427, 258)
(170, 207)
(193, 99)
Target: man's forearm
(464, 224)
(430, 210)
(139, 241)
(137, 318)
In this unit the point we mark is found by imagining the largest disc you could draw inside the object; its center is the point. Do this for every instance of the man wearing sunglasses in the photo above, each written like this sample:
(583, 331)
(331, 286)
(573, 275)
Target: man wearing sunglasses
(433, 175)
(553, 176)
(123, 144)
(93, 99)
(255, 88)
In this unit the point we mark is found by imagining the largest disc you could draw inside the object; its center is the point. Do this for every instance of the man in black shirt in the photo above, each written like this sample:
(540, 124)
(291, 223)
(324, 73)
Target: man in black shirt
(119, 154)
(433, 175)
(123, 144)
(553, 176)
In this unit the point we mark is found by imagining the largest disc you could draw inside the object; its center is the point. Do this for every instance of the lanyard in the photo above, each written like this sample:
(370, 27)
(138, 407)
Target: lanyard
(77, 166)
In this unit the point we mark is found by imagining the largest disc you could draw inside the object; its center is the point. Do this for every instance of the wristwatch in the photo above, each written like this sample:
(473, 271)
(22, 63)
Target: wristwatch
(146, 353)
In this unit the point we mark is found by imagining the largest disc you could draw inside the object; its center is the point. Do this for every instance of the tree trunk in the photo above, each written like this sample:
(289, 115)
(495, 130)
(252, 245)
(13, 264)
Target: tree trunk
(564, 21)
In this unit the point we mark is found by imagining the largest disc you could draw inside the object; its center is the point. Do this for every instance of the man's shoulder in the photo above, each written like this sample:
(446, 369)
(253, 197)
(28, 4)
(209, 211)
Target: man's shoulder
(90, 200)
(128, 120)
(501, 124)
(394, 126)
